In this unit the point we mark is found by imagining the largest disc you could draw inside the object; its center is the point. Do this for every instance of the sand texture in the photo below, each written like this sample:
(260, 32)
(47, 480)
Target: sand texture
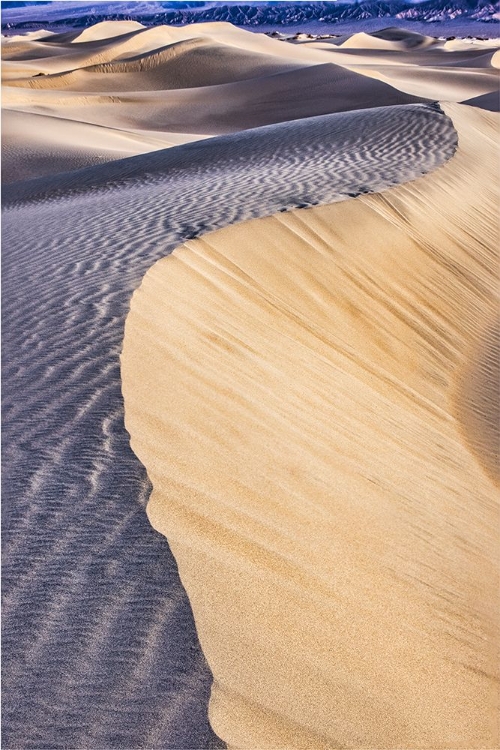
(76, 541)
(309, 384)
(288, 387)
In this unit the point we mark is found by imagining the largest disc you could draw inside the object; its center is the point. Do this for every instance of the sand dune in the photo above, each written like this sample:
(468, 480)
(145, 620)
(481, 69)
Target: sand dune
(97, 629)
(359, 152)
(127, 42)
(338, 438)
(454, 85)
(221, 109)
(39, 145)
(433, 57)
(420, 65)
(289, 385)
(188, 64)
(175, 116)
(176, 84)
(106, 30)
(490, 102)
(181, 84)
(389, 39)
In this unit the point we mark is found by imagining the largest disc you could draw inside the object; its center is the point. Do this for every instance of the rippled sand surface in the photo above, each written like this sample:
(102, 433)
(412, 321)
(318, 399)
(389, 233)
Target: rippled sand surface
(292, 388)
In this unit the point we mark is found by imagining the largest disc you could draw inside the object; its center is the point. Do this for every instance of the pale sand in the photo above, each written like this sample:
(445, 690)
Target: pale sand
(99, 646)
(293, 387)
(36, 145)
(477, 399)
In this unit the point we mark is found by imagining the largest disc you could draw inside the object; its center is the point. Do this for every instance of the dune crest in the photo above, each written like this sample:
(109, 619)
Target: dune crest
(392, 39)
(122, 619)
(107, 30)
(290, 386)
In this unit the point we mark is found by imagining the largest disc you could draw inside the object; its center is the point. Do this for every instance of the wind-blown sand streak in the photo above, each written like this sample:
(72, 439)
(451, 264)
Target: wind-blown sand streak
(290, 385)
(99, 645)
(477, 399)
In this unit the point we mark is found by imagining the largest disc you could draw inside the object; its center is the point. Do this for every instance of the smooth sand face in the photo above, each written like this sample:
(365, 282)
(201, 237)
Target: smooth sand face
(36, 145)
(290, 385)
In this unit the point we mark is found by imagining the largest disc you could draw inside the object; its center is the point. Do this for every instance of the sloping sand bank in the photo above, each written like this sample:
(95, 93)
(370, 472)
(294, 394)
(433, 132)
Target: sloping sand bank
(292, 387)
(99, 646)
(36, 145)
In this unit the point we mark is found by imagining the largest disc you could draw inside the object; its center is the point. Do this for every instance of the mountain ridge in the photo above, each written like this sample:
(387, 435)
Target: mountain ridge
(285, 14)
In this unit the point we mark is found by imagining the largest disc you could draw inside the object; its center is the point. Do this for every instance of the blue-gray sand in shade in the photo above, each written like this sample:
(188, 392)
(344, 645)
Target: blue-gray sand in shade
(100, 649)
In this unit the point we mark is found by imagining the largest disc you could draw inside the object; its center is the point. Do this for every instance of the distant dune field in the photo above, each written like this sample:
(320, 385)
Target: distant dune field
(271, 268)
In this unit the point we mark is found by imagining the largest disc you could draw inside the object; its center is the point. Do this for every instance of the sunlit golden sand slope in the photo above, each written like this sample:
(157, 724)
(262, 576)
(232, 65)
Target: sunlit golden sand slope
(294, 388)
(330, 493)
(99, 646)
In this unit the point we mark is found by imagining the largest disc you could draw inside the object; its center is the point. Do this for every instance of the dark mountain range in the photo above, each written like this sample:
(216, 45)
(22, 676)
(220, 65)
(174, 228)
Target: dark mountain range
(22, 3)
(275, 14)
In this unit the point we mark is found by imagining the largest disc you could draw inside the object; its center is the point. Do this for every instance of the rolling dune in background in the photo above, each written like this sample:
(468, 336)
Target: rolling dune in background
(150, 88)
(311, 391)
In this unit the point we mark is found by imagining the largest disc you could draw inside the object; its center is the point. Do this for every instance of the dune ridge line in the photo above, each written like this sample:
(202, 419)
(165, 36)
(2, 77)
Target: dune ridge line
(99, 643)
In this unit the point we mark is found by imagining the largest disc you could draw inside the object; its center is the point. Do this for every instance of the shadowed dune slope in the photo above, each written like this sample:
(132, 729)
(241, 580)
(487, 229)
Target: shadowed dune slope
(291, 387)
(361, 151)
(489, 102)
(36, 145)
(99, 646)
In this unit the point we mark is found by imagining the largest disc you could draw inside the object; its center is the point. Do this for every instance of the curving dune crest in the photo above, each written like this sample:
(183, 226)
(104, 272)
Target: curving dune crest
(299, 163)
(392, 39)
(291, 385)
(147, 89)
(106, 30)
(191, 63)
